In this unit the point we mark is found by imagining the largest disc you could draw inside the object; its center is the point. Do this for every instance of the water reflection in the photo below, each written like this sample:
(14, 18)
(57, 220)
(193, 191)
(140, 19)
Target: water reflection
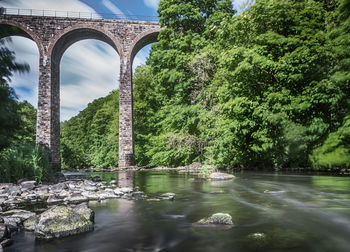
(295, 213)
(126, 179)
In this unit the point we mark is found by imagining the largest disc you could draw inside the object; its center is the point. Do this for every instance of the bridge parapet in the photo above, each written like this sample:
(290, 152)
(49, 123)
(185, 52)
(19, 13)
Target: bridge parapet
(76, 14)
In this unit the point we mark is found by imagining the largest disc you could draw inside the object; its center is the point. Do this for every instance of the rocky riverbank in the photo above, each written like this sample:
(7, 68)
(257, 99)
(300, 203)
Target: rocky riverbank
(56, 210)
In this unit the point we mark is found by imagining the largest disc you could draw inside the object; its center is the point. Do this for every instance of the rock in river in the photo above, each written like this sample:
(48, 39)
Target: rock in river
(61, 221)
(220, 176)
(217, 218)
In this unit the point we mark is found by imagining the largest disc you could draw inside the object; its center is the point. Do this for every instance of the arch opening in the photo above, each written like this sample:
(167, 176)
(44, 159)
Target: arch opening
(88, 69)
(141, 41)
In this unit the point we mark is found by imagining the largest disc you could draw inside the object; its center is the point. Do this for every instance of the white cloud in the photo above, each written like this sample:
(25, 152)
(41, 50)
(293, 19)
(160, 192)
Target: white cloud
(152, 3)
(241, 5)
(114, 9)
(25, 84)
(96, 66)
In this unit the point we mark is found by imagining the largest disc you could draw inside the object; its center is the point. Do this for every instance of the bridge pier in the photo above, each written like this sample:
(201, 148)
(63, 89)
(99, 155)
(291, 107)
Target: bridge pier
(126, 130)
(48, 112)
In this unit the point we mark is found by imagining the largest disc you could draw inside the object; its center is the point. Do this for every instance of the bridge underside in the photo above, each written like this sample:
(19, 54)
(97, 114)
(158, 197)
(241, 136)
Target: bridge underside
(53, 35)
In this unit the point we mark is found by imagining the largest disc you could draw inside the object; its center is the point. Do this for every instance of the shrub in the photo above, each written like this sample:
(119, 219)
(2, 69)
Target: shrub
(25, 161)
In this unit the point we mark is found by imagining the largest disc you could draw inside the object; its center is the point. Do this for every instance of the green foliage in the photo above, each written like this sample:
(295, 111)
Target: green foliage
(335, 151)
(205, 172)
(267, 88)
(91, 138)
(25, 161)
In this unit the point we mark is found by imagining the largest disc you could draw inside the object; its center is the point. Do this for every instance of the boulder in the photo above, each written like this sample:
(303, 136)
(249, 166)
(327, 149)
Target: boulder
(217, 219)
(61, 221)
(118, 192)
(167, 196)
(57, 188)
(14, 191)
(220, 176)
(76, 198)
(107, 194)
(53, 200)
(18, 213)
(28, 185)
(91, 195)
(4, 232)
(12, 223)
(89, 188)
(126, 189)
(63, 194)
(85, 211)
(29, 224)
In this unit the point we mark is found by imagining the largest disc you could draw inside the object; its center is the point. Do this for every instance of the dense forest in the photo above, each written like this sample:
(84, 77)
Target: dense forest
(19, 155)
(266, 88)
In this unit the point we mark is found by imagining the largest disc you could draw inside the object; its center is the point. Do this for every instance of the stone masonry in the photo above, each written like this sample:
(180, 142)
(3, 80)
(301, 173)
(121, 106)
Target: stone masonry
(53, 35)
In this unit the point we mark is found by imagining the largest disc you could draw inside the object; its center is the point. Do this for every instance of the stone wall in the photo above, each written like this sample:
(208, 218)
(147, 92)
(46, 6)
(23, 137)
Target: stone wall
(53, 35)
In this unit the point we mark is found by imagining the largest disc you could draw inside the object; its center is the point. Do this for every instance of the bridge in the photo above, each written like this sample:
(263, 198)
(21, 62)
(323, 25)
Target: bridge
(53, 32)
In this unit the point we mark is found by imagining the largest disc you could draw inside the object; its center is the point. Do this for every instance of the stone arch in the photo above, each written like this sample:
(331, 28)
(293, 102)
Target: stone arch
(141, 40)
(57, 46)
(75, 33)
(24, 32)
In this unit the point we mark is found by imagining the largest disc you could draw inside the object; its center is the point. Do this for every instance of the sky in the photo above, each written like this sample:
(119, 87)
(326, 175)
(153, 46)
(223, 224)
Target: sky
(89, 68)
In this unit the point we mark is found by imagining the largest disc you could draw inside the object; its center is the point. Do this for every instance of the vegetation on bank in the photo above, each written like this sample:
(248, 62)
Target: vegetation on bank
(19, 156)
(266, 88)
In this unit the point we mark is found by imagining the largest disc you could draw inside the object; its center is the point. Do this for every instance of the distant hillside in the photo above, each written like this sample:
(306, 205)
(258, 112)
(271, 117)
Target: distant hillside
(90, 139)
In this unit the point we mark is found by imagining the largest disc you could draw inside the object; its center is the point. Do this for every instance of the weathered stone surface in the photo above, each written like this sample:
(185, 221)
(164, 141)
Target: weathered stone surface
(220, 176)
(18, 213)
(118, 192)
(14, 191)
(28, 185)
(29, 224)
(63, 194)
(4, 232)
(12, 223)
(126, 189)
(90, 188)
(217, 219)
(61, 221)
(75, 198)
(57, 188)
(85, 211)
(91, 195)
(52, 200)
(113, 182)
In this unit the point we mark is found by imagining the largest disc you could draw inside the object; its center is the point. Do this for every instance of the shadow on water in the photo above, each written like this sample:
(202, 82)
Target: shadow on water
(294, 213)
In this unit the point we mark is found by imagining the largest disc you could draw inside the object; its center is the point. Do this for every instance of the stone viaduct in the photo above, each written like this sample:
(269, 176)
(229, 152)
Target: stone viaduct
(53, 35)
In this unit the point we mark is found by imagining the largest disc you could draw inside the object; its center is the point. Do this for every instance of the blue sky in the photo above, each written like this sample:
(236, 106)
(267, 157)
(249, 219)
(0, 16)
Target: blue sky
(89, 68)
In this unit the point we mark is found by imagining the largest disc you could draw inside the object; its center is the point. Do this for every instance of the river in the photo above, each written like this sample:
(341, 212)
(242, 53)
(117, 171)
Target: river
(289, 213)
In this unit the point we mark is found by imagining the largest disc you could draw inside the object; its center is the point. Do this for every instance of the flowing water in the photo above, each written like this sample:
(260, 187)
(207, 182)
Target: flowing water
(293, 212)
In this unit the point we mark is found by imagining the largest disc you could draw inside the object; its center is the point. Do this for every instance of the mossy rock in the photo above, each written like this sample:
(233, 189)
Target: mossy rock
(61, 221)
(217, 219)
